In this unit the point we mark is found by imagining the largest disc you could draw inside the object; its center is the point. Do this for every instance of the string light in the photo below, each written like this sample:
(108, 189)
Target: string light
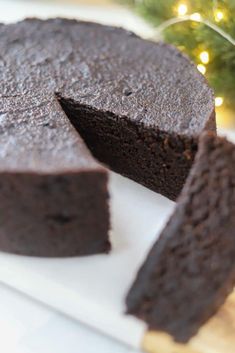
(196, 17)
(219, 101)
(182, 9)
(218, 15)
(183, 15)
(204, 57)
(201, 68)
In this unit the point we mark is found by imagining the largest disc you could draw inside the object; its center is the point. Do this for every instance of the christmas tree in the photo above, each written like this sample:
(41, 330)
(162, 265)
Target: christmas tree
(205, 30)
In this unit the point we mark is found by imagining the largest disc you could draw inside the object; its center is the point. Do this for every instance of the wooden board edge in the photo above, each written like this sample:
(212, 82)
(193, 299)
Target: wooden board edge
(216, 336)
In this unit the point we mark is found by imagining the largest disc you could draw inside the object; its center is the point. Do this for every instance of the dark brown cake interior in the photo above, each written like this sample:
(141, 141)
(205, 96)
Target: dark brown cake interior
(149, 156)
(190, 269)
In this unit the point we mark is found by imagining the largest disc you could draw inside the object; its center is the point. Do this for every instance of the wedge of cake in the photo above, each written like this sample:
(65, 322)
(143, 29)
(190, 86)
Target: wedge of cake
(190, 269)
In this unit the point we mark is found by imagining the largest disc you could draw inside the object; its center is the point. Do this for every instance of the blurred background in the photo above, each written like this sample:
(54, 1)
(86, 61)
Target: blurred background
(204, 29)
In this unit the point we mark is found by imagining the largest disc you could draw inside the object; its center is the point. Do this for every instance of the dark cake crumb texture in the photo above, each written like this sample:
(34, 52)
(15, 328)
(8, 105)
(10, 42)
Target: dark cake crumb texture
(190, 270)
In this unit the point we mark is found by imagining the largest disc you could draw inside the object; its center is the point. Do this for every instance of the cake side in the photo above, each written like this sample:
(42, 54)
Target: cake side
(190, 269)
(54, 215)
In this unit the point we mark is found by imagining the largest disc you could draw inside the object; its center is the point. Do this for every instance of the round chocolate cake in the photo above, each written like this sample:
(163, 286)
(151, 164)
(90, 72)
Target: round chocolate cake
(138, 106)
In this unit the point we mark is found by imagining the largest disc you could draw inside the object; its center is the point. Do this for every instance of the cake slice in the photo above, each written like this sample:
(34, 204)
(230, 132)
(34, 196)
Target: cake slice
(191, 268)
(53, 194)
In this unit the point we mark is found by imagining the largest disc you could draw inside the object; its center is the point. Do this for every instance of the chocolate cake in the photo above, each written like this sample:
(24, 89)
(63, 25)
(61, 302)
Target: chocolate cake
(190, 269)
(138, 105)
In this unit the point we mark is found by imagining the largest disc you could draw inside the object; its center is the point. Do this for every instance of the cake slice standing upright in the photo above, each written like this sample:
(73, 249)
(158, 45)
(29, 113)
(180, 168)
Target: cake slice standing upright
(191, 268)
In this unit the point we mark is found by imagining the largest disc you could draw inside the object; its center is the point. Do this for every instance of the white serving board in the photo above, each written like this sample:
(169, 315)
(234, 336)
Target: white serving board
(92, 289)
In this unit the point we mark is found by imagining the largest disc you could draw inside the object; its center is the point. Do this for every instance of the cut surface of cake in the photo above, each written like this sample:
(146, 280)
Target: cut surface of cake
(190, 270)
